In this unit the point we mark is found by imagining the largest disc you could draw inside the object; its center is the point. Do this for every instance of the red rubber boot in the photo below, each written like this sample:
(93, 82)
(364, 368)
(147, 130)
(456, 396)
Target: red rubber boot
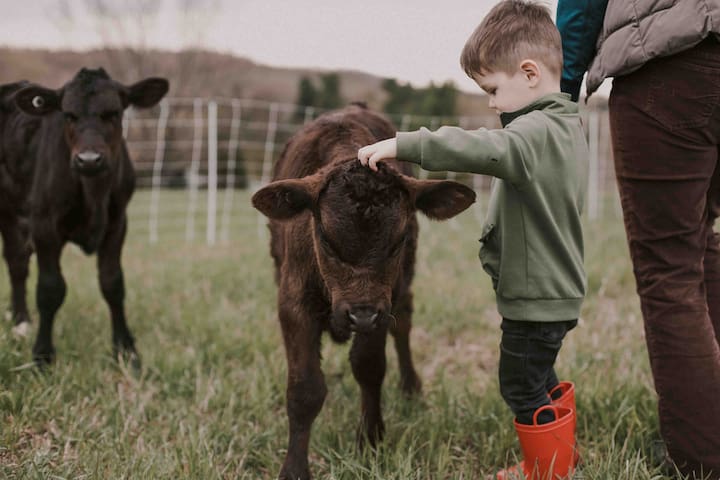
(567, 400)
(548, 449)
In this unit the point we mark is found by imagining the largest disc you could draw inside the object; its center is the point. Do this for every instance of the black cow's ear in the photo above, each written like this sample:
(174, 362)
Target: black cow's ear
(146, 93)
(7, 91)
(440, 199)
(36, 100)
(284, 199)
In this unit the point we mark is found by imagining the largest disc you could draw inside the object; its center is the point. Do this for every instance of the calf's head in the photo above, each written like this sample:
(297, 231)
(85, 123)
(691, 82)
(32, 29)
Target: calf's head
(92, 104)
(361, 222)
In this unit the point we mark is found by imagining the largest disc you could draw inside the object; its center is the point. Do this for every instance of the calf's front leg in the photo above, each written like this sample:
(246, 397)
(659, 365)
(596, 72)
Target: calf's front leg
(306, 389)
(16, 251)
(367, 358)
(112, 285)
(50, 294)
(410, 383)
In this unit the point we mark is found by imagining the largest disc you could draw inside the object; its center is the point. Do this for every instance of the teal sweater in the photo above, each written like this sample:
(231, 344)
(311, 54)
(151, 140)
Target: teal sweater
(531, 243)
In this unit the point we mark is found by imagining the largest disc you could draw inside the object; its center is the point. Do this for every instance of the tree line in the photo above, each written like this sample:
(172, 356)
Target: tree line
(401, 98)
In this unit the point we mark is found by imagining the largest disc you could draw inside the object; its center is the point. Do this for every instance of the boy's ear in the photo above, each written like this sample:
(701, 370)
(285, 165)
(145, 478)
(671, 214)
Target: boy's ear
(531, 71)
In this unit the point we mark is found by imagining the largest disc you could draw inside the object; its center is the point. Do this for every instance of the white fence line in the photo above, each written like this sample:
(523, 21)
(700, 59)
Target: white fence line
(212, 173)
(232, 148)
(157, 170)
(194, 174)
(243, 138)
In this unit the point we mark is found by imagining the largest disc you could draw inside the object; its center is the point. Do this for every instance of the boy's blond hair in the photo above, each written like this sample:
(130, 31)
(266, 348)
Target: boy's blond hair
(511, 32)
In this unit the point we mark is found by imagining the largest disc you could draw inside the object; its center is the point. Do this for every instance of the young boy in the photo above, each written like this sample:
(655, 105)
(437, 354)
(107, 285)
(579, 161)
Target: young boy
(531, 243)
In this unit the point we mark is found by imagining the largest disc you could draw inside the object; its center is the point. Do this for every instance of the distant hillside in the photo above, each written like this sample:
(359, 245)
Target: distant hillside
(198, 73)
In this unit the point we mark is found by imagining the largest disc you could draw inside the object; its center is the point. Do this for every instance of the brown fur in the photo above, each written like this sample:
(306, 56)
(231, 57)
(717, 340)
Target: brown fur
(343, 239)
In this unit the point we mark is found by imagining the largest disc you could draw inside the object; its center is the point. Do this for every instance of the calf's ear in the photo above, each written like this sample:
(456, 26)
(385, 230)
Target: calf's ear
(284, 199)
(440, 199)
(7, 94)
(37, 100)
(146, 93)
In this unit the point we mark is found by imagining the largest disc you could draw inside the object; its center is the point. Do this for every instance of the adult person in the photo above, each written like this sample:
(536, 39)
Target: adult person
(665, 126)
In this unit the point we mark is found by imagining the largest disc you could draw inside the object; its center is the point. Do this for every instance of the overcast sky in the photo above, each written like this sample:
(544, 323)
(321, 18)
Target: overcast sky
(412, 40)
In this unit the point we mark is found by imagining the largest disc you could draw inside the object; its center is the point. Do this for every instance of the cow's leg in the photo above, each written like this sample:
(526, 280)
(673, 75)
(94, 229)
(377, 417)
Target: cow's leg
(306, 390)
(16, 250)
(400, 328)
(112, 285)
(367, 357)
(50, 294)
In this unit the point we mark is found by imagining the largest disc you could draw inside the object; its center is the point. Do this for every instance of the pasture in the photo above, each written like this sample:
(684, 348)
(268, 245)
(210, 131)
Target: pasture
(209, 403)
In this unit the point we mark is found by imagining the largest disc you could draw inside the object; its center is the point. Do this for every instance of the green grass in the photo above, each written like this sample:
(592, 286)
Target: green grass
(210, 401)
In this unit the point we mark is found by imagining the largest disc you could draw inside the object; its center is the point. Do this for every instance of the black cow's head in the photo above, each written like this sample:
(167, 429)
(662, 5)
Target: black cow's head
(361, 223)
(92, 104)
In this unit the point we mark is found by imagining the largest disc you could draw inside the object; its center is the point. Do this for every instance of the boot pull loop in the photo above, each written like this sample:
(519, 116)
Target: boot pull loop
(556, 388)
(542, 409)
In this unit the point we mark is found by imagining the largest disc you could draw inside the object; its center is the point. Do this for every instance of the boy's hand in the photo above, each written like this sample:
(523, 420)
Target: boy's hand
(370, 155)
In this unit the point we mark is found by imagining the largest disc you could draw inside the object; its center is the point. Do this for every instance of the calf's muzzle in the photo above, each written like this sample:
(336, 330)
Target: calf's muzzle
(364, 318)
(89, 162)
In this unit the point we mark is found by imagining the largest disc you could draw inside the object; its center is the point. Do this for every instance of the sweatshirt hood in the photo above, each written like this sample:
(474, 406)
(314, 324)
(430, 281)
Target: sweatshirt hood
(552, 103)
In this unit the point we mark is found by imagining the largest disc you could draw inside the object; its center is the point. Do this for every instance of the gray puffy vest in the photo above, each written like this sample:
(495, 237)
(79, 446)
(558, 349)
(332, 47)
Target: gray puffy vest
(635, 31)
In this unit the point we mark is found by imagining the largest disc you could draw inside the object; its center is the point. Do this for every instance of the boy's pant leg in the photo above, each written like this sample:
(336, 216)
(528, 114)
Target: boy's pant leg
(527, 357)
(665, 122)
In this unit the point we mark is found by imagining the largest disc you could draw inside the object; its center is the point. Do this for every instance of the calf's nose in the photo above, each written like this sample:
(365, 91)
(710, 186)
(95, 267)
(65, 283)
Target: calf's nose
(363, 318)
(88, 158)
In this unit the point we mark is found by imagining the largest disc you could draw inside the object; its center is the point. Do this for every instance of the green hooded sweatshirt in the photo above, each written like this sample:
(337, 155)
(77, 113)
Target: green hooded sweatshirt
(531, 242)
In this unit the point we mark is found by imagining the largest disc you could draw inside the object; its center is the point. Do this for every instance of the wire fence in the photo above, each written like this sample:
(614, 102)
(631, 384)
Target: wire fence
(192, 155)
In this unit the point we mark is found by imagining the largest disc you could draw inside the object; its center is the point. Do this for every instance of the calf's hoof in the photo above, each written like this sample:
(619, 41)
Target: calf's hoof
(370, 435)
(44, 357)
(411, 386)
(289, 472)
(129, 358)
(22, 329)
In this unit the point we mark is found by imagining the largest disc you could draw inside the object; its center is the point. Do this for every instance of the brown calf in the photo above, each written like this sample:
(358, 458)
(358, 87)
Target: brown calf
(343, 239)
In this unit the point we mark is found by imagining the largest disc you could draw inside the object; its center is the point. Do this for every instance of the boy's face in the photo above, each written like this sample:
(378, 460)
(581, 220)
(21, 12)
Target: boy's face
(507, 93)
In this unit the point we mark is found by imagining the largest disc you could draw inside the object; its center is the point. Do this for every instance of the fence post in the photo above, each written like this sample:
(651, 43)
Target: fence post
(477, 186)
(126, 122)
(309, 113)
(194, 176)
(212, 173)
(269, 143)
(593, 145)
(233, 144)
(157, 170)
(268, 158)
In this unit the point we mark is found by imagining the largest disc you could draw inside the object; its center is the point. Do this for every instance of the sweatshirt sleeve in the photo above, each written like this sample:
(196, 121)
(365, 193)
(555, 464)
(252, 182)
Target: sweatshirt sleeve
(580, 23)
(510, 153)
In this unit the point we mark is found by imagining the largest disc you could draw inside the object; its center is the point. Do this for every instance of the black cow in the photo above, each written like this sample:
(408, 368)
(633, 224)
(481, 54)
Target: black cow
(17, 138)
(82, 181)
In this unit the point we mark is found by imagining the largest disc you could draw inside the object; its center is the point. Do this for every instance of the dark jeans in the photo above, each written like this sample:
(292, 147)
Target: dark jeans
(665, 123)
(527, 365)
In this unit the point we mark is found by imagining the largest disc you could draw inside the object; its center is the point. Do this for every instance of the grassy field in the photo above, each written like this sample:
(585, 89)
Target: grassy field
(210, 401)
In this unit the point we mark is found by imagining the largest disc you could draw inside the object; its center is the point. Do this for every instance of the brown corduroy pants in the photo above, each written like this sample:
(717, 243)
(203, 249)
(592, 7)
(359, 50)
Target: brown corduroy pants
(665, 124)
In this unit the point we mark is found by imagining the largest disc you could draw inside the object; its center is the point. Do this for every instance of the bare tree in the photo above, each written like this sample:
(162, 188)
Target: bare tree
(126, 29)
(195, 20)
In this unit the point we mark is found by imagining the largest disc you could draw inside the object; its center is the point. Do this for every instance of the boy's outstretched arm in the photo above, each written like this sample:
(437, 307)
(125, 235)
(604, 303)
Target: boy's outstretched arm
(370, 155)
